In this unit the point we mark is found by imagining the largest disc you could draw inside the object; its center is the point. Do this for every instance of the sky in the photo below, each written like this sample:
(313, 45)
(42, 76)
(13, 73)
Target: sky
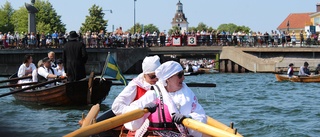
(259, 15)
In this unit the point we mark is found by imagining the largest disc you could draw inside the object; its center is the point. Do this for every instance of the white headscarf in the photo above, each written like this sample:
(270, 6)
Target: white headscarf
(150, 64)
(166, 70)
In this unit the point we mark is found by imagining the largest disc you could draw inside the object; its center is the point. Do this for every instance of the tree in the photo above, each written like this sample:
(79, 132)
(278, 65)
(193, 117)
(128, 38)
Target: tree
(20, 19)
(6, 12)
(94, 22)
(201, 26)
(233, 28)
(174, 29)
(149, 27)
(48, 17)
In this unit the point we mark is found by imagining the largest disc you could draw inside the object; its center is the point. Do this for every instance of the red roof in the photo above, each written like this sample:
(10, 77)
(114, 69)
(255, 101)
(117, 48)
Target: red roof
(296, 20)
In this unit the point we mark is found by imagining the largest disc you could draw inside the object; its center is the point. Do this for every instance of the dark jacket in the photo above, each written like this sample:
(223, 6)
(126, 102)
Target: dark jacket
(74, 59)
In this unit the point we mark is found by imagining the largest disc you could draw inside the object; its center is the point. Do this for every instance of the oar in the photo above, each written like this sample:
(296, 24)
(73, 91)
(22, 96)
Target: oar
(108, 124)
(31, 87)
(189, 84)
(207, 129)
(15, 79)
(219, 125)
(17, 85)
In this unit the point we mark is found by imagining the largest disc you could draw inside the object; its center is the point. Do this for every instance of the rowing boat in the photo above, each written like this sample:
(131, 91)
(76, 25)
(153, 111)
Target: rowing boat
(306, 79)
(112, 127)
(66, 94)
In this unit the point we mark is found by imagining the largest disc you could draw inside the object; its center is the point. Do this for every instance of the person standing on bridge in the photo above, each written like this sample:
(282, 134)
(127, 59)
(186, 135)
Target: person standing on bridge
(74, 58)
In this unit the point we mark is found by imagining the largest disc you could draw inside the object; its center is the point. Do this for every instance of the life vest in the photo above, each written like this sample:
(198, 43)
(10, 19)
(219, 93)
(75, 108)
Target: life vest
(291, 72)
(161, 118)
(140, 92)
(43, 79)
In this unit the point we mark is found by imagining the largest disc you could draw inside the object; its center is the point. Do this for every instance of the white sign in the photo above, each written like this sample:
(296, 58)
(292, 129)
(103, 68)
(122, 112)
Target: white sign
(176, 41)
(192, 41)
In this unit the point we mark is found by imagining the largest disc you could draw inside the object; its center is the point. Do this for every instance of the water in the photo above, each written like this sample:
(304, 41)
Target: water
(256, 103)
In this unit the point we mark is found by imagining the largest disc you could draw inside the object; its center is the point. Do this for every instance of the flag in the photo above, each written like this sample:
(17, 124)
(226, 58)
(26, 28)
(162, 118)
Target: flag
(112, 69)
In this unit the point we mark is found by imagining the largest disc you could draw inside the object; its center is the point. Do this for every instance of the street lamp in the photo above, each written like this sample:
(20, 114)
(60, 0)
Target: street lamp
(110, 12)
(134, 16)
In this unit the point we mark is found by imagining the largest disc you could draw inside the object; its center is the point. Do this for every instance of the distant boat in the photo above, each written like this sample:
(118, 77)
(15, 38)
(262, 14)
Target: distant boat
(208, 70)
(306, 79)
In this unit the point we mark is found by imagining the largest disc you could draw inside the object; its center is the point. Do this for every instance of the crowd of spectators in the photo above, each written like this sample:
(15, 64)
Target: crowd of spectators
(123, 39)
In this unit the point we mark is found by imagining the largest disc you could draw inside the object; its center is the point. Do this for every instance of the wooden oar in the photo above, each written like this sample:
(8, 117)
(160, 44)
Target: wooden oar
(108, 124)
(219, 125)
(206, 129)
(31, 87)
(17, 85)
(15, 79)
(189, 84)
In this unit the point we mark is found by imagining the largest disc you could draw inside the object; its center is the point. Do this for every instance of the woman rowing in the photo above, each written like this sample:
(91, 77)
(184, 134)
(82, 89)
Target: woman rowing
(169, 103)
(26, 69)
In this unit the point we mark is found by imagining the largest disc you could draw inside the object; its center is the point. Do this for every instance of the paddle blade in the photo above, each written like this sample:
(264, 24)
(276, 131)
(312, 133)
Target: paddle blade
(206, 129)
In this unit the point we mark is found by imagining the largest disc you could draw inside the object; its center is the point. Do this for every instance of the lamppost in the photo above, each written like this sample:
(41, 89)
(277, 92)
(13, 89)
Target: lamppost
(111, 13)
(134, 16)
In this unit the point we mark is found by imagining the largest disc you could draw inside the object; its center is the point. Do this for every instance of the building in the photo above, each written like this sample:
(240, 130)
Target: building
(180, 19)
(302, 22)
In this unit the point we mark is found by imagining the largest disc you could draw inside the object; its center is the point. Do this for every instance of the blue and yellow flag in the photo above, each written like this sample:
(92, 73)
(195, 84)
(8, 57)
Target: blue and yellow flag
(112, 69)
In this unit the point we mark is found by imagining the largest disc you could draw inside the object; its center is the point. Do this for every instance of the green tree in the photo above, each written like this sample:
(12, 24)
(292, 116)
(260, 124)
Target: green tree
(94, 22)
(190, 29)
(138, 28)
(173, 29)
(233, 28)
(6, 12)
(20, 19)
(201, 26)
(47, 17)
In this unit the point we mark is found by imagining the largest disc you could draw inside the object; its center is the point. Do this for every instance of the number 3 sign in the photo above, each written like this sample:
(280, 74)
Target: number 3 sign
(192, 41)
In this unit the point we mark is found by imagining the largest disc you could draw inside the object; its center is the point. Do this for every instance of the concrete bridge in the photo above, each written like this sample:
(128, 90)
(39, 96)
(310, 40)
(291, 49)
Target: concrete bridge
(232, 59)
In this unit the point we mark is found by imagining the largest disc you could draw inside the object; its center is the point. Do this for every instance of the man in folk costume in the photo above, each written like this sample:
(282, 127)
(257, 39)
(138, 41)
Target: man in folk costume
(170, 101)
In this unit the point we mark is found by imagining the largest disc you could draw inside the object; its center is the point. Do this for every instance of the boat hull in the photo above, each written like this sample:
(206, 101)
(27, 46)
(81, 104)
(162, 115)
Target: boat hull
(70, 93)
(306, 79)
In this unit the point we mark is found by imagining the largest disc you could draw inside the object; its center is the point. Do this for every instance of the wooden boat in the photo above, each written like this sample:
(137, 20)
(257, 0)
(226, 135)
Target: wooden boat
(65, 94)
(306, 79)
(112, 127)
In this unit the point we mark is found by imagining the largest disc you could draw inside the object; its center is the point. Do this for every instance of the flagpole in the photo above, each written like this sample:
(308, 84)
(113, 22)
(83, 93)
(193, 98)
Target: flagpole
(105, 66)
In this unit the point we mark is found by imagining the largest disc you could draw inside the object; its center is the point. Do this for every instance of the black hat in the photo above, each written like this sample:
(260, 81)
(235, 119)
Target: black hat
(73, 35)
(291, 64)
(306, 64)
(46, 59)
(59, 61)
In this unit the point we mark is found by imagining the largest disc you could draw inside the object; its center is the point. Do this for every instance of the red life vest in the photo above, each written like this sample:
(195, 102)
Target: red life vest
(140, 92)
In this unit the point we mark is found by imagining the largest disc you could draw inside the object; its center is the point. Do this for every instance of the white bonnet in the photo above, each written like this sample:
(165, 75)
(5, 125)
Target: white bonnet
(166, 70)
(150, 64)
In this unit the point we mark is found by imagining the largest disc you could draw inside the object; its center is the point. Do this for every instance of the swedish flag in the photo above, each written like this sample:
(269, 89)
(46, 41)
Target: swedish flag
(112, 69)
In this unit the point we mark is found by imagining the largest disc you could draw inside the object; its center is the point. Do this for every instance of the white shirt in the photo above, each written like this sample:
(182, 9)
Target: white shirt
(60, 72)
(185, 102)
(24, 71)
(44, 72)
(128, 94)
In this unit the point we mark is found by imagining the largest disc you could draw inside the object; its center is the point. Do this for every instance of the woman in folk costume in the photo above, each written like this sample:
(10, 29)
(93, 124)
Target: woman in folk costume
(169, 102)
(26, 69)
(135, 89)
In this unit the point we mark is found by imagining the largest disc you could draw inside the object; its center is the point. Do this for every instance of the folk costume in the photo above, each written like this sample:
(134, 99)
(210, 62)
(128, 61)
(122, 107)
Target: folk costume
(182, 101)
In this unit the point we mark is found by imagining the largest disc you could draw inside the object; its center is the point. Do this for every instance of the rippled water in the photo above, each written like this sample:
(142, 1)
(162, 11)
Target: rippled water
(256, 103)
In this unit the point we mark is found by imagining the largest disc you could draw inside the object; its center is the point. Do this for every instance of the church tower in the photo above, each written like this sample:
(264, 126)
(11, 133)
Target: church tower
(179, 19)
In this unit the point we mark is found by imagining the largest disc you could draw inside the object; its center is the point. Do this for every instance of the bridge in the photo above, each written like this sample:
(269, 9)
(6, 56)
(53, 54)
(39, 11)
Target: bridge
(232, 59)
